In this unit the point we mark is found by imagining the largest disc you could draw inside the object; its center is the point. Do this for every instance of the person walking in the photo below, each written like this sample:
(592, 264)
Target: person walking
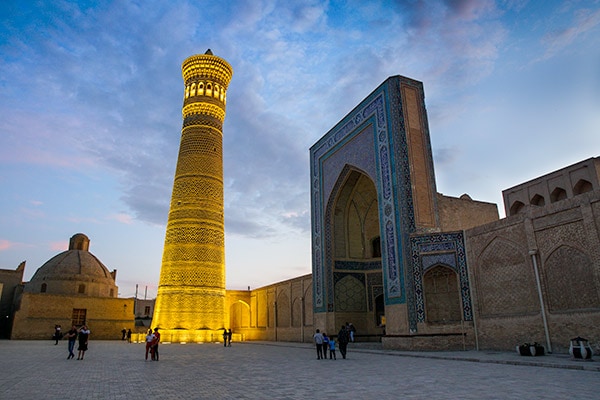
(155, 343)
(84, 337)
(332, 348)
(149, 341)
(225, 336)
(318, 338)
(72, 337)
(229, 335)
(343, 340)
(123, 334)
(325, 345)
(129, 336)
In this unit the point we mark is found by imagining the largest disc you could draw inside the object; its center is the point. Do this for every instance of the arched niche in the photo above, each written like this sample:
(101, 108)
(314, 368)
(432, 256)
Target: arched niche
(442, 295)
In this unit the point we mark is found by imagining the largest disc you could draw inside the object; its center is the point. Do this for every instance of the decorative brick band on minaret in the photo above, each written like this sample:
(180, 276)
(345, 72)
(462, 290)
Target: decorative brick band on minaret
(190, 303)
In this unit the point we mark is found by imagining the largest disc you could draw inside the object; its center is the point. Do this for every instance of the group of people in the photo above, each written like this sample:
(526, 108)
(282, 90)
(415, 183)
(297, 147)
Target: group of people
(82, 335)
(152, 341)
(126, 334)
(227, 334)
(324, 342)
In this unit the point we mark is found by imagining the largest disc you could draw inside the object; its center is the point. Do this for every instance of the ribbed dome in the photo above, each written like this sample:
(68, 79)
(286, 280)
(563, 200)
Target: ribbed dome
(75, 271)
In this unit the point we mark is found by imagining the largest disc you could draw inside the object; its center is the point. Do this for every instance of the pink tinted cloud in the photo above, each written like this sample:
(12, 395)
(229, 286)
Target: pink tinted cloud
(59, 246)
(6, 244)
(122, 218)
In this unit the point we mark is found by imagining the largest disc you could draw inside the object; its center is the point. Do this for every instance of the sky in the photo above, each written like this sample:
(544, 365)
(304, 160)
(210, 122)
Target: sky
(91, 95)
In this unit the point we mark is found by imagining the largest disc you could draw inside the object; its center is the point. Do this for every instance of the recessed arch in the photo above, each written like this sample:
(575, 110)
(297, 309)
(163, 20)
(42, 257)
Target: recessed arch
(558, 194)
(283, 309)
(239, 314)
(504, 279)
(566, 268)
(517, 207)
(538, 200)
(582, 186)
(442, 295)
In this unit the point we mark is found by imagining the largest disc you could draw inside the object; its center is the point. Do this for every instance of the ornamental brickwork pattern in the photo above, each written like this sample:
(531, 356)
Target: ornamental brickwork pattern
(191, 291)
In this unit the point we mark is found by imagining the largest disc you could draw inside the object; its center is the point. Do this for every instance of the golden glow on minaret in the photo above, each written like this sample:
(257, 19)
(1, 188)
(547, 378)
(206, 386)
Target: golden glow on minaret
(190, 303)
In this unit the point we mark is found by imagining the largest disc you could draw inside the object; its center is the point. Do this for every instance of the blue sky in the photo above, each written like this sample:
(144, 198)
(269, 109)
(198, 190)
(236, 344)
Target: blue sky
(91, 95)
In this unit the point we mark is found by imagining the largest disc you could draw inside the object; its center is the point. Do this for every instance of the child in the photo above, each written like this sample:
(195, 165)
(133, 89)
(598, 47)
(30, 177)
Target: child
(325, 345)
(332, 349)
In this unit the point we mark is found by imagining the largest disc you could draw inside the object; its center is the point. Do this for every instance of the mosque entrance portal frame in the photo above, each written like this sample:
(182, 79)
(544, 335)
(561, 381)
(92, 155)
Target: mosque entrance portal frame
(386, 138)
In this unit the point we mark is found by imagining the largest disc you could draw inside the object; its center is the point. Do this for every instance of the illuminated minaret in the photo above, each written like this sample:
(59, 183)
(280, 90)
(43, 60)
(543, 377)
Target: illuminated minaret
(190, 303)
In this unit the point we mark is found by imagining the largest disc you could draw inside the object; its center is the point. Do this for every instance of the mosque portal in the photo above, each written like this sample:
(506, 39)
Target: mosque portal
(384, 257)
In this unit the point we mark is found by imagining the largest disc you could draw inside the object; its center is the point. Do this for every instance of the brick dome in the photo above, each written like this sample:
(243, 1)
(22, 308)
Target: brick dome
(74, 272)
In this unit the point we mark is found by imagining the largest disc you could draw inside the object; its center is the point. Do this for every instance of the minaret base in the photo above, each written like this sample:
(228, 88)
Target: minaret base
(191, 336)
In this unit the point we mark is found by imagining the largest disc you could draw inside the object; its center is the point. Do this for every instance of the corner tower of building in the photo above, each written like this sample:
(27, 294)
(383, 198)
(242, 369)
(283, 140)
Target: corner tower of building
(190, 303)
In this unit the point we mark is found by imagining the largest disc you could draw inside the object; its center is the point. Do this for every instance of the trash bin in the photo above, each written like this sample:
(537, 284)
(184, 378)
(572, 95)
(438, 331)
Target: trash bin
(534, 349)
(580, 349)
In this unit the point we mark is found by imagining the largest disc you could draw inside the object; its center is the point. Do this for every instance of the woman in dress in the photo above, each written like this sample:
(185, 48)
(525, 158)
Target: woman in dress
(84, 335)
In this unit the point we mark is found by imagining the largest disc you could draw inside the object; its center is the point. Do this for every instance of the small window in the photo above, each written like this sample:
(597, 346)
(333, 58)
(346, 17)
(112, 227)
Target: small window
(81, 289)
(147, 311)
(43, 288)
(79, 316)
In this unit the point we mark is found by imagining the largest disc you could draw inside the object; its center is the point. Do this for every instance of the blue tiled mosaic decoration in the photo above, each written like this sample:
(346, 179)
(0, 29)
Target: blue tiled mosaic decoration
(376, 122)
(447, 249)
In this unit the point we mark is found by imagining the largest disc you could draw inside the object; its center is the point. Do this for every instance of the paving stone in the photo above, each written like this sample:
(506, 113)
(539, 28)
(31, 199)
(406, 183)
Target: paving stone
(258, 370)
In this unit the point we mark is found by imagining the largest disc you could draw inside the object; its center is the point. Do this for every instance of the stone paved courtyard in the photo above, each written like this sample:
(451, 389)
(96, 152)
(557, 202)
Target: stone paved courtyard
(117, 370)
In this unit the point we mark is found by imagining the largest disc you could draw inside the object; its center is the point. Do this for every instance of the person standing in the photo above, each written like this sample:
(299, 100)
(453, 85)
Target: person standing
(325, 345)
(155, 343)
(129, 336)
(57, 334)
(72, 337)
(352, 331)
(229, 335)
(318, 338)
(84, 337)
(123, 334)
(343, 340)
(332, 348)
(225, 336)
(149, 342)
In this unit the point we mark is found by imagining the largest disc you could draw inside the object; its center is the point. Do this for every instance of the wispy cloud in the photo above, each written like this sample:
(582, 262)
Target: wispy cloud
(581, 23)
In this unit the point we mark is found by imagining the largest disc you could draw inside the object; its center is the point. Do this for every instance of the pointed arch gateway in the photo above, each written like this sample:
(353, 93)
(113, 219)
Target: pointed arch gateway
(355, 270)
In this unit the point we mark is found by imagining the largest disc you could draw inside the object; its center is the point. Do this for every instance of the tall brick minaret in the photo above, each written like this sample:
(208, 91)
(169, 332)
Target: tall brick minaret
(190, 304)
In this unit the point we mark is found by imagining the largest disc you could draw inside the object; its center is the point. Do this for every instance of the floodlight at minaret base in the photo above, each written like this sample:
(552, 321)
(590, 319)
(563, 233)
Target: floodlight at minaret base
(190, 303)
